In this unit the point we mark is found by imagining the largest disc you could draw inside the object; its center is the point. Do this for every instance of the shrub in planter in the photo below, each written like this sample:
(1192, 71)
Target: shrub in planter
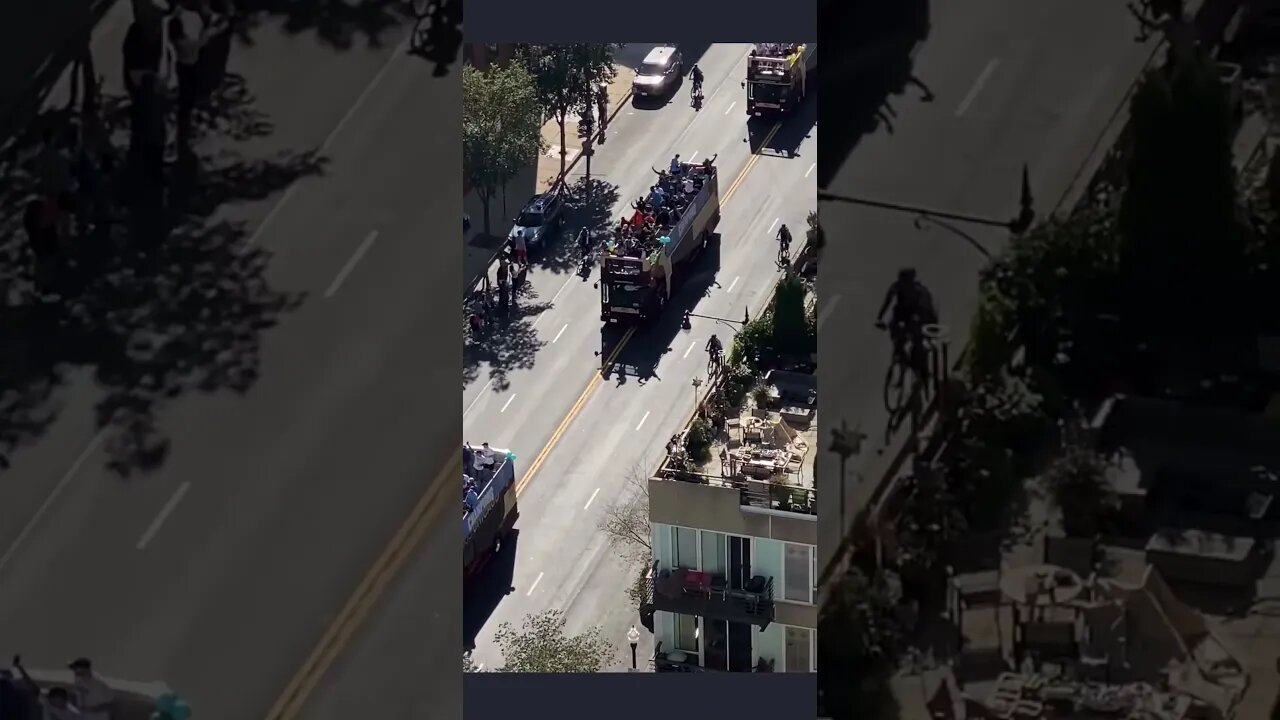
(737, 382)
(698, 440)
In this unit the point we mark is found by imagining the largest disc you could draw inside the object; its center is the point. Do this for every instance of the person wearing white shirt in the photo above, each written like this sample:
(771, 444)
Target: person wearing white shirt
(92, 696)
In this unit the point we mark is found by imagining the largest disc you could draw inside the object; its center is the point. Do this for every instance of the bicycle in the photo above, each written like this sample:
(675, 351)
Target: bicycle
(908, 356)
(715, 362)
(784, 255)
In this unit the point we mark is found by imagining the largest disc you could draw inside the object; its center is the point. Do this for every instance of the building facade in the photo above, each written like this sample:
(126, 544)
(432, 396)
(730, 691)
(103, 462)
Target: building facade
(732, 587)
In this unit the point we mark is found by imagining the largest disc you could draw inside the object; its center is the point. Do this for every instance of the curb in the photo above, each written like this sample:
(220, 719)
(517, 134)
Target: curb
(558, 181)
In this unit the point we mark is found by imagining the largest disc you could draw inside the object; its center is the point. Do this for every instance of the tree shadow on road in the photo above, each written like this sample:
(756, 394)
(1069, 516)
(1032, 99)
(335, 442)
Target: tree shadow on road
(872, 61)
(338, 23)
(510, 343)
(150, 322)
(562, 255)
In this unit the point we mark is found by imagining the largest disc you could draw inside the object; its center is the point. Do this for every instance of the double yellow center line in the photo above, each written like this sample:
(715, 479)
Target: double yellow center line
(409, 536)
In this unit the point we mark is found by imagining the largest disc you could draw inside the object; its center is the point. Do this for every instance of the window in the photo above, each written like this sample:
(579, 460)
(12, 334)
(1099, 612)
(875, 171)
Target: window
(687, 633)
(799, 655)
(797, 577)
(713, 552)
(686, 554)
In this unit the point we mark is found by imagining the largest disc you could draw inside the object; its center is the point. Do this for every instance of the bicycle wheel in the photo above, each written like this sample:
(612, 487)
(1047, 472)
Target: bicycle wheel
(895, 387)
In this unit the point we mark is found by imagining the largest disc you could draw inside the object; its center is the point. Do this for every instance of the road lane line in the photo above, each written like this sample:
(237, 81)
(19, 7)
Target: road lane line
(809, 172)
(755, 158)
(351, 264)
(534, 586)
(732, 284)
(641, 423)
(826, 311)
(730, 108)
(507, 404)
(562, 287)
(479, 395)
(772, 225)
(591, 499)
(692, 345)
(333, 135)
(557, 337)
(977, 87)
(409, 536)
(165, 512)
(63, 482)
(691, 157)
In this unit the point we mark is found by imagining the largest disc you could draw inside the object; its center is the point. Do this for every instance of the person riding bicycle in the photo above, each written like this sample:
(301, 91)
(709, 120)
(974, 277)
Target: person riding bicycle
(784, 238)
(912, 306)
(715, 349)
(695, 74)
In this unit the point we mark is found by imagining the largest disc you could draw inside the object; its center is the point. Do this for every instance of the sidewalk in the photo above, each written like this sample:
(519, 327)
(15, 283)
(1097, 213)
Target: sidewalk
(479, 248)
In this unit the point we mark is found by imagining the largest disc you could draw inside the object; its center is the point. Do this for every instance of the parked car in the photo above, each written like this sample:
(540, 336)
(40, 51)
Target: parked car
(542, 217)
(659, 72)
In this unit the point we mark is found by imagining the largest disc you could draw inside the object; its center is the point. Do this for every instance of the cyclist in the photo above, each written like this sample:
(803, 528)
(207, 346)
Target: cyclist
(784, 240)
(695, 74)
(912, 307)
(715, 350)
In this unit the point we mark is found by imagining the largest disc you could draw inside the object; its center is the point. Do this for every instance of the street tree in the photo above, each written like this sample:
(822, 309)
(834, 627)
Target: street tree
(860, 645)
(543, 645)
(501, 128)
(1184, 256)
(790, 323)
(469, 665)
(567, 78)
(626, 521)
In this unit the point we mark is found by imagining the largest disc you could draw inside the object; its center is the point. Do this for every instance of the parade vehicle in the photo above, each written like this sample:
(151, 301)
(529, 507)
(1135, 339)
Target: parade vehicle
(778, 76)
(489, 509)
(637, 283)
(27, 688)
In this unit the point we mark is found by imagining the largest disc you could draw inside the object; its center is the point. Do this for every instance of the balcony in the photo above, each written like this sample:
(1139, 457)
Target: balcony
(689, 592)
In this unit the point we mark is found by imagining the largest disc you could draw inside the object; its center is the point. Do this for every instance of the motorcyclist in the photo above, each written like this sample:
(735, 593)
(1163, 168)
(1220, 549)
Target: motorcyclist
(695, 74)
(715, 349)
(912, 305)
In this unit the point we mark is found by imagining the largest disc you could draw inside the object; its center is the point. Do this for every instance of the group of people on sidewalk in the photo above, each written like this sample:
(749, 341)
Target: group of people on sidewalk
(490, 301)
(81, 185)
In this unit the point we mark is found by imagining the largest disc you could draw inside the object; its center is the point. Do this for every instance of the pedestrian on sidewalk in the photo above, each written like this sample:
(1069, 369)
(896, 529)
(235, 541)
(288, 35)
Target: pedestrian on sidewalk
(190, 28)
(504, 271)
(521, 247)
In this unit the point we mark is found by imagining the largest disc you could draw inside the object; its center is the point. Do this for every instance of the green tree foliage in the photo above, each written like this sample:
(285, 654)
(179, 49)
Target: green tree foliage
(501, 127)
(469, 665)
(542, 645)
(1184, 254)
(859, 641)
(567, 78)
(790, 331)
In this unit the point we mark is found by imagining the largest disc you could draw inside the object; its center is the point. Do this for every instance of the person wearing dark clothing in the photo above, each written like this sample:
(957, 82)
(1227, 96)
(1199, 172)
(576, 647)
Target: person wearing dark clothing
(145, 59)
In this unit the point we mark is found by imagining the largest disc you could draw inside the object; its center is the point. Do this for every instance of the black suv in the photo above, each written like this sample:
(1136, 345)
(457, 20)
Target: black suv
(541, 217)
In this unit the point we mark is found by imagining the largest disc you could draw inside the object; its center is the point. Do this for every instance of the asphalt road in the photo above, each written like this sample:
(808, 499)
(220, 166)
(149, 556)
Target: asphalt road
(218, 572)
(1011, 83)
(561, 559)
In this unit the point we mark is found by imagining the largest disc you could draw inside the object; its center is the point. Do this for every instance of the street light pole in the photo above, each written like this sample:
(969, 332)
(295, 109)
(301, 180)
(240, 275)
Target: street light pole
(633, 637)
(1016, 225)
